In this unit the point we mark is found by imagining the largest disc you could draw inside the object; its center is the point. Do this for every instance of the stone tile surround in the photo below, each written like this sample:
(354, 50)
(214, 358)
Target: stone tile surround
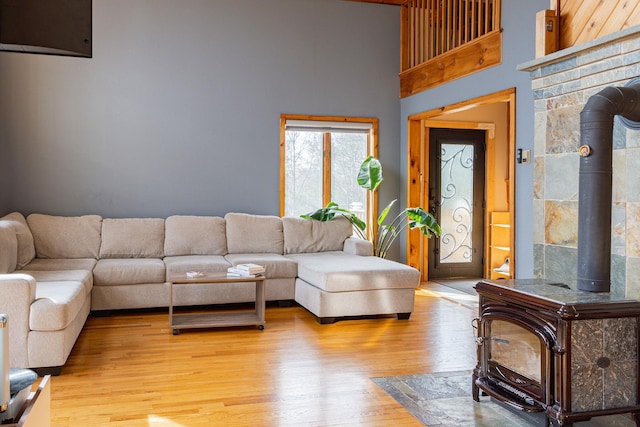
(562, 83)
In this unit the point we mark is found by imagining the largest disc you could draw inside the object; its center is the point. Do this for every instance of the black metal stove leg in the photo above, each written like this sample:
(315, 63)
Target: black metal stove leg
(475, 391)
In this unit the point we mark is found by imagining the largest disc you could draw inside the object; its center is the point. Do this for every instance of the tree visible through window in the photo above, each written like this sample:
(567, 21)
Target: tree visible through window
(320, 159)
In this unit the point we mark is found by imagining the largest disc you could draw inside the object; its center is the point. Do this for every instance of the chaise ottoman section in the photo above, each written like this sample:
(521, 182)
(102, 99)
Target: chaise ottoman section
(338, 284)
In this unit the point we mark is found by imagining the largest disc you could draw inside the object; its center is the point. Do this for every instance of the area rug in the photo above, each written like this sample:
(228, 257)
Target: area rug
(463, 285)
(446, 292)
(444, 399)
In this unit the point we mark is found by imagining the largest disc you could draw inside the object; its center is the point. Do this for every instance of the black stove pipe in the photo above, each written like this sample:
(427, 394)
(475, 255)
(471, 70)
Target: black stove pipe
(594, 203)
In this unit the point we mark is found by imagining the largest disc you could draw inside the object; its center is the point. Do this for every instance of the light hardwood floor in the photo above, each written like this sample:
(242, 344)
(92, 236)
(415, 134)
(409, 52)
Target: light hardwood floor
(129, 370)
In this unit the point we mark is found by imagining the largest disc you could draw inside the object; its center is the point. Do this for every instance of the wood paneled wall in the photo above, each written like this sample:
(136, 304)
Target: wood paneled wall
(585, 20)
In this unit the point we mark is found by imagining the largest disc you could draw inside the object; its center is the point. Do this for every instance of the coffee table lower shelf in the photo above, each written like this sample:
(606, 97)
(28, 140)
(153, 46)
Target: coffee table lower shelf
(214, 320)
(221, 318)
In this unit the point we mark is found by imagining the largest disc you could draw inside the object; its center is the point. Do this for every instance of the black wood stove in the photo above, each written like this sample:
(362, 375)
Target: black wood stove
(571, 352)
(543, 347)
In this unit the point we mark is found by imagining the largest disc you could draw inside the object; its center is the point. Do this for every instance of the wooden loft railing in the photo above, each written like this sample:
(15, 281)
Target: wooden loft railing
(434, 27)
(442, 40)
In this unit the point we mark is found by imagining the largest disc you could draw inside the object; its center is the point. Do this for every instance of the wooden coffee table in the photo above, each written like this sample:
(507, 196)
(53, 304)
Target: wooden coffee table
(219, 318)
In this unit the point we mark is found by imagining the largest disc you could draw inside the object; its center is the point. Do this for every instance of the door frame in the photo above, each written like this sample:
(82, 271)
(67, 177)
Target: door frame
(418, 168)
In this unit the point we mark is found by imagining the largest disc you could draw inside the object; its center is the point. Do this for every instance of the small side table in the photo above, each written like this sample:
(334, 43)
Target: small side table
(219, 318)
(37, 409)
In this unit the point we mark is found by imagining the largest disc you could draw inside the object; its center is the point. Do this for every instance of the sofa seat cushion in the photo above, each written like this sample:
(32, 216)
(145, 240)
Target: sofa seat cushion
(83, 276)
(276, 265)
(128, 271)
(179, 265)
(42, 264)
(56, 305)
(340, 272)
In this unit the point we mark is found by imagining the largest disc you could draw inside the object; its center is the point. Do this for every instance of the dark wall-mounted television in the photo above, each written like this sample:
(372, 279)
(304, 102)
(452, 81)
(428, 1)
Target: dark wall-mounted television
(54, 27)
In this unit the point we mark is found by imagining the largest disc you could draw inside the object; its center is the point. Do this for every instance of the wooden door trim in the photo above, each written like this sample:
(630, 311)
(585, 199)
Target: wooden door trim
(418, 161)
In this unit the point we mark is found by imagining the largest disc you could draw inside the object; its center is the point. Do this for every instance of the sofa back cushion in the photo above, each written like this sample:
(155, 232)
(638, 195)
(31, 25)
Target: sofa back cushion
(250, 234)
(307, 235)
(132, 238)
(65, 236)
(26, 248)
(8, 248)
(195, 235)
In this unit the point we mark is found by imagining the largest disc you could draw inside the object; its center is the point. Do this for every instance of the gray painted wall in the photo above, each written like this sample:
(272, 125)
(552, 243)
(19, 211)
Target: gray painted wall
(518, 24)
(178, 111)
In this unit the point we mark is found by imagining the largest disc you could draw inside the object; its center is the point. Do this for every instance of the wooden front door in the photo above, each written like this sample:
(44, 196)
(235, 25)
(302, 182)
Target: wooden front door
(456, 198)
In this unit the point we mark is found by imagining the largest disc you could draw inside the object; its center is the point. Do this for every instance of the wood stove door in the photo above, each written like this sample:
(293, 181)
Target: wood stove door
(514, 360)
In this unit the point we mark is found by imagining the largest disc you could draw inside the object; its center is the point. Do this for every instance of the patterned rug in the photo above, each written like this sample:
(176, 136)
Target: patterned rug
(444, 399)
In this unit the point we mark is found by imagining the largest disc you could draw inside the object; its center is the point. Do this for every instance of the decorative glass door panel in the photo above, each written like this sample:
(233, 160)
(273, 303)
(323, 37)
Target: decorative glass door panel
(456, 203)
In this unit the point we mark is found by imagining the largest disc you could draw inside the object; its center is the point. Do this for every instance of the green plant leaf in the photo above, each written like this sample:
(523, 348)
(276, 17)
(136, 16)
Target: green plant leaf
(419, 218)
(370, 174)
(385, 212)
(358, 222)
(323, 214)
(331, 210)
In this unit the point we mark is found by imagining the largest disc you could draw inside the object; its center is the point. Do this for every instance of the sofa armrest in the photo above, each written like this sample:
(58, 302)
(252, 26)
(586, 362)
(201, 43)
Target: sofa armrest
(358, 246)
(18, 293)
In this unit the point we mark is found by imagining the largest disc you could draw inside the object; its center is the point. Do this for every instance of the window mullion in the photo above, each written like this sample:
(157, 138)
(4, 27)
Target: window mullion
(372, 201)
(326, 169)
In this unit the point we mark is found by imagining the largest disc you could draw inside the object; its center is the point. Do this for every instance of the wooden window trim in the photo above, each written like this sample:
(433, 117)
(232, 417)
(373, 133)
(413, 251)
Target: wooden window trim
(372, 144)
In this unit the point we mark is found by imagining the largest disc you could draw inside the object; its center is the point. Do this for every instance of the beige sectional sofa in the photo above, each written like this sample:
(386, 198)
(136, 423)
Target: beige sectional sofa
(55, 270)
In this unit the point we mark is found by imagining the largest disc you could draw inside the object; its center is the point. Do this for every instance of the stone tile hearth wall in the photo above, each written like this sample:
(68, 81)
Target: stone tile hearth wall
(562, 84)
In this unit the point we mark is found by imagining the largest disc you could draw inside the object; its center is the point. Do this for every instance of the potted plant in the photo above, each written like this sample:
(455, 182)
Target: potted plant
(369, 178)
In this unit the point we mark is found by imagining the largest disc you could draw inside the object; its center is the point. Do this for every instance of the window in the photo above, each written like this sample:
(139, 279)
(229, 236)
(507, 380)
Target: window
(319, 162)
